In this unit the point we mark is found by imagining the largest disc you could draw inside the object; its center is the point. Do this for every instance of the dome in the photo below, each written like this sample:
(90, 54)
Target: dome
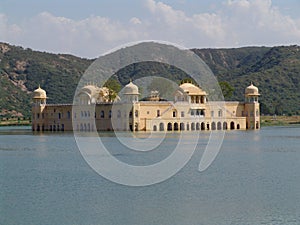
(192, 89)
(39, 93)
(91, 90)
(131, 89)
(251, 90)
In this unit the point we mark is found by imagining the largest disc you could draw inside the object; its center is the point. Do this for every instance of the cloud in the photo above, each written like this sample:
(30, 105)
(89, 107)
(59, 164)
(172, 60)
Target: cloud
(88, 37)
(8, 31)
(135, 20)
(237, 23)
(232, 24)
(258, 22)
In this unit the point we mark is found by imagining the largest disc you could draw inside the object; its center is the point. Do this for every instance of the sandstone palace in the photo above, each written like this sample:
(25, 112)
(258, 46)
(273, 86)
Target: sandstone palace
(189, 111)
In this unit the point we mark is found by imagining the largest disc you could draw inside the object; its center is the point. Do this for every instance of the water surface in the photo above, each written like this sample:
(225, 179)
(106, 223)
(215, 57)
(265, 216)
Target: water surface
(254, 180)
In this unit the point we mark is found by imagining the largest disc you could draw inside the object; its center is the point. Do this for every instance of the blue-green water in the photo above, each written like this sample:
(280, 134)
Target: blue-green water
(255, 179)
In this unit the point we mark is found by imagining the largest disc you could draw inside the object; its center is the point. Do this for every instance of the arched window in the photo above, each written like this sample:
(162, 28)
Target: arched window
(197, 126)
(154, 128)
(174, 113)
(68, 114)
(102, 114)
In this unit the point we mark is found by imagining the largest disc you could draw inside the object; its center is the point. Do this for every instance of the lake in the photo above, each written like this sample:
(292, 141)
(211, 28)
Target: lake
(255, 179)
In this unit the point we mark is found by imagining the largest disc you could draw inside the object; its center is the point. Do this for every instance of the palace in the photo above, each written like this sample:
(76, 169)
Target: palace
(189, 111)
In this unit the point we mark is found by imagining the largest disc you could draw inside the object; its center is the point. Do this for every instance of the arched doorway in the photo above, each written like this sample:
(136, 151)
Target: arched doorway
(219, 126)
(238, 127)
(232, 127)
(154, 128)
(213, 125)
(181, 126)
(192, 126)
(225, 126)
(169, 126)
(197, 126)
(175, 126)
(161, 127)
(202, 126)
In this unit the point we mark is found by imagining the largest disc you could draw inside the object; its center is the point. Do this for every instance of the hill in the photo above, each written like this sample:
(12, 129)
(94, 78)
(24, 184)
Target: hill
(22, 70)
(275, 70)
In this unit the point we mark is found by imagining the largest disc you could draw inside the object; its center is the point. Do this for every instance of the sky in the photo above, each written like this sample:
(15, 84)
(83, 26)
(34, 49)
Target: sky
(90, 28)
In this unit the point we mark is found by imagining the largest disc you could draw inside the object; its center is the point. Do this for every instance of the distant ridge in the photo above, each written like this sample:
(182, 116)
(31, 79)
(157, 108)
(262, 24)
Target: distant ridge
(275, 70)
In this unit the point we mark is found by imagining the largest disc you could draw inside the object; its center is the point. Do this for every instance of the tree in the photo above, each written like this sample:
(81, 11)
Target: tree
(114, 88)
(227, 89)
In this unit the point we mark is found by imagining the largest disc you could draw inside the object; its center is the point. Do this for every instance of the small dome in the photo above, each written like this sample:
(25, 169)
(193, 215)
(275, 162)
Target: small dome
(39, 93)
(251, 90)
(131, 89)
(192, 89)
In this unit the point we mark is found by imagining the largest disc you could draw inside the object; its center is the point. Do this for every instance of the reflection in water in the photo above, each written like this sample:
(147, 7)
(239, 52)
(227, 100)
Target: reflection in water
(254, 180)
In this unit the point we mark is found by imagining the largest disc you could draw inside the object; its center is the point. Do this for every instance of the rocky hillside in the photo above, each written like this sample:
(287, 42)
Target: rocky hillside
(275, 70)
(22, 70)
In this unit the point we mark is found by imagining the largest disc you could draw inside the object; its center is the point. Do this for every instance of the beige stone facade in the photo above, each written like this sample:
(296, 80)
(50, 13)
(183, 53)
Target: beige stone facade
(189, 111)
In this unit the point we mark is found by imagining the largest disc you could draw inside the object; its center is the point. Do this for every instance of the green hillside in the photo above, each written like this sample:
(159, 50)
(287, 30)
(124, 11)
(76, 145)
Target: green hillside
(275, 70)
(22, 70)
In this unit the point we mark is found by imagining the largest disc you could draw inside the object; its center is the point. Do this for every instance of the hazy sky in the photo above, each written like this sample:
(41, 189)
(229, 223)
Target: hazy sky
(91, 27)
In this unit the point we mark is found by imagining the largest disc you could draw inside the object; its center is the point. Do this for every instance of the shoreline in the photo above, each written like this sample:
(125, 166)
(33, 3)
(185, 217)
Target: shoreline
(265, 121)
(279, 120)
(15, 123)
